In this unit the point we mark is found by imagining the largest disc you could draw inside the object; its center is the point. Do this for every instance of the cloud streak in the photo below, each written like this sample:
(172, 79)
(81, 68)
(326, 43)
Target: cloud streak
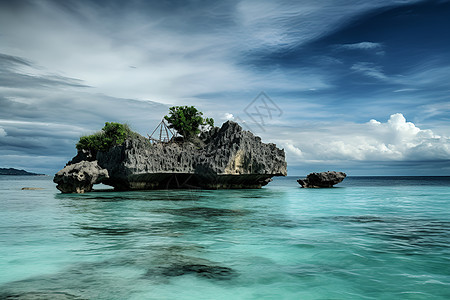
(370, 70)
(46, 118)
(361, 46)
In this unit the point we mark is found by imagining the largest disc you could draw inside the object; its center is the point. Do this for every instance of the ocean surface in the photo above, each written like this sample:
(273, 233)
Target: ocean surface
(367, 238)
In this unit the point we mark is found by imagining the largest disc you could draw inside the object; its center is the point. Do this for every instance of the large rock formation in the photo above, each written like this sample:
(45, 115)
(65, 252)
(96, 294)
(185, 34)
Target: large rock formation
(322, 179)
(80, 177)
(226, 157)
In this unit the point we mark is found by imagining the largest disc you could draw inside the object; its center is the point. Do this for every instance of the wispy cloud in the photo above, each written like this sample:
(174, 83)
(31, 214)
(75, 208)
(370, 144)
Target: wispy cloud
(376, 48)
(369, 69)
(361, 46)
(10, 61)
(196, 49)
(45, 115)
(15, 73)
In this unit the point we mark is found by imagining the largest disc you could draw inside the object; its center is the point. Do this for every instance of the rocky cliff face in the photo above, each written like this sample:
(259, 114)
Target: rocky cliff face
(225, 157)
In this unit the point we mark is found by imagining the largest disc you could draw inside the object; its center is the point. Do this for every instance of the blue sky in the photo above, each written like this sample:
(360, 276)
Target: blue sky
(356, 86)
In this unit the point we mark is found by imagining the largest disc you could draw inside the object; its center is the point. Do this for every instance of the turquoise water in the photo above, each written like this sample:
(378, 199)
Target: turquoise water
(368, 238)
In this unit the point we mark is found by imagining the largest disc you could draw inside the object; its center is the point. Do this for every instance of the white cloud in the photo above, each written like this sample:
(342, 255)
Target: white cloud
(434, 109)
(228, 116)
(361, 46)
(2, 132)
(393, 140)
(176, 56)
(369, 69)
(432, 74)
(405, 90)
(266, 23)
(293, 151)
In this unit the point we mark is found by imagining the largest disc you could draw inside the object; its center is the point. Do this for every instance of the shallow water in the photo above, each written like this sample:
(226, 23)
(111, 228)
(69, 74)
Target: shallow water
(368, 238)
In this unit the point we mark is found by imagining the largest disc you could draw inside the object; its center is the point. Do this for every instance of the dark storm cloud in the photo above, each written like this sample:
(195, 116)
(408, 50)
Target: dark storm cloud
(12, 78)
(46, 118)
(9, 61)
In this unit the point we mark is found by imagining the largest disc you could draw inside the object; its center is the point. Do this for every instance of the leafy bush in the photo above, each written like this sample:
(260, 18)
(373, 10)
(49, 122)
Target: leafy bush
(187, 120)
(112, 134)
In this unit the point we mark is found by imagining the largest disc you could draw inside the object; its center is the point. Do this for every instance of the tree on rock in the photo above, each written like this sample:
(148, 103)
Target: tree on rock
(187, 121)
(112, 134)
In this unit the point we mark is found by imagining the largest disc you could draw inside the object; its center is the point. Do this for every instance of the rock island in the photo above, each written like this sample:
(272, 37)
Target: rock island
(219, 158)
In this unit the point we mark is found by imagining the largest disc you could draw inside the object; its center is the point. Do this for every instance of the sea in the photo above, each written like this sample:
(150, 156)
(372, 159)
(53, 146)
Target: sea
(367, 238)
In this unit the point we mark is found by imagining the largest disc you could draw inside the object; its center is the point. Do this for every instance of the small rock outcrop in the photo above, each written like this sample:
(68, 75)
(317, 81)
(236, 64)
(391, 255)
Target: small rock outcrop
(80, 177)
(226, 157)
(322, 179)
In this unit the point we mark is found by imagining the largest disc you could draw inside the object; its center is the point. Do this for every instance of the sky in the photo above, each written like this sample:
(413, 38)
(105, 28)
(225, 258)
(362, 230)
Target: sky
(356, 86)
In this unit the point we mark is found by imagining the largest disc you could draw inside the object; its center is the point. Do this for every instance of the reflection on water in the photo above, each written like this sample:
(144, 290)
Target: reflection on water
(202, 212)
(280, 242)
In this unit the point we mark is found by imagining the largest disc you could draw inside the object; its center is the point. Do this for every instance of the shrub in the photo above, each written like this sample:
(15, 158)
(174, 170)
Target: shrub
(187, 120)
(112, 134)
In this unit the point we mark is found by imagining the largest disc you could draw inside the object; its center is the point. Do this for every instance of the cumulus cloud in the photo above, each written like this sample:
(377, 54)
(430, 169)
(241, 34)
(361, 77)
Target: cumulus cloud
(403, 140)
(292, 150)
(393, 140)
(228, 116)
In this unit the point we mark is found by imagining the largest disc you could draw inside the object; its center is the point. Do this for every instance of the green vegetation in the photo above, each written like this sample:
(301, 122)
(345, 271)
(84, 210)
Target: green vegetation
(111, 135)
(187, 121)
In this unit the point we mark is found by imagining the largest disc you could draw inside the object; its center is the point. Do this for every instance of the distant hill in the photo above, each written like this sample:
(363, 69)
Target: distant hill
(11, 171)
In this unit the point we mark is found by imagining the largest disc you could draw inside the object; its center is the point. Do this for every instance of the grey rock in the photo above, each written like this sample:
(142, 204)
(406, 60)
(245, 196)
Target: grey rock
(82, 155)
(322, 179)
(226, 157)
(80, 177)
